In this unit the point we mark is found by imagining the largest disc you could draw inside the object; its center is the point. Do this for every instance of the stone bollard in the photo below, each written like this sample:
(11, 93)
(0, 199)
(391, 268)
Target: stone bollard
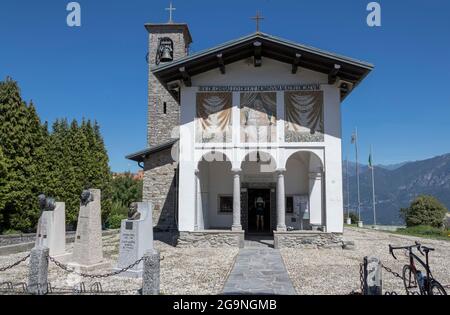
(372, 276)
(38, 271)
(151, 275)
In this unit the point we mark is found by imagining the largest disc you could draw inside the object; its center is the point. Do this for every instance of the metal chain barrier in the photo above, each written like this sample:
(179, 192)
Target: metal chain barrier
(2, 269)
(361, 277)
(85, 275)
(395, 274)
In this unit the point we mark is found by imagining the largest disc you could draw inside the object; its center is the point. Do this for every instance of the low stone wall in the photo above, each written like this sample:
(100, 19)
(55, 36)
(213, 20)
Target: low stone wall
(29, 242)
(307, 239)
(211, 239)
(6, 240)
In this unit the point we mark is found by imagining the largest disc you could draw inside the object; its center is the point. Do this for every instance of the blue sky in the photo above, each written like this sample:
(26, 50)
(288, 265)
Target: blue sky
(98, 71)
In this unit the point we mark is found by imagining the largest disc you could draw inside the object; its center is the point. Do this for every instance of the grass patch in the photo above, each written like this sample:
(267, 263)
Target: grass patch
(426, 231)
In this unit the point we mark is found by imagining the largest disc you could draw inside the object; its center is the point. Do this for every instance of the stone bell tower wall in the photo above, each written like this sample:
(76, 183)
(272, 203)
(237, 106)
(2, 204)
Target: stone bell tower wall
(163, 108)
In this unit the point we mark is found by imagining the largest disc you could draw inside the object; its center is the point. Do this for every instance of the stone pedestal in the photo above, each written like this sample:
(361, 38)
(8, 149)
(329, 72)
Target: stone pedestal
(88, 247)
(136, 238)
(151, 275)
(38, 271)
(372, 276)
(360, 224)
(349, 221)
(51, 232)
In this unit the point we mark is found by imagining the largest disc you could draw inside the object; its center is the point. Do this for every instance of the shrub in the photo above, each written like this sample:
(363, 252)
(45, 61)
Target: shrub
(353, 216)
(11, 232)
(424, 230)
(115, 220)
(424, 210)
(118, 213)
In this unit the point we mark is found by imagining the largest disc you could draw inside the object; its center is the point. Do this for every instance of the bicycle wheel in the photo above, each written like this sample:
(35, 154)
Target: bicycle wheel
(436, 288)
(411, 281)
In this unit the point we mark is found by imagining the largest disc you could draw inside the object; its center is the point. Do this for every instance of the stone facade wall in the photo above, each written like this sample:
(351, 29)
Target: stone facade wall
(211, 239)
(160, 188)
(307, 239)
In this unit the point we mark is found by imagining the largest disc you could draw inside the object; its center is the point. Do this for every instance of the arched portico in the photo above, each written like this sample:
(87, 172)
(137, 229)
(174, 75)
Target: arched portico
(213, 189)
(304, 191)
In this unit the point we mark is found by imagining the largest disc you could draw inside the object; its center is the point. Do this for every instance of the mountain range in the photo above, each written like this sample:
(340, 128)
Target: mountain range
(396, 186)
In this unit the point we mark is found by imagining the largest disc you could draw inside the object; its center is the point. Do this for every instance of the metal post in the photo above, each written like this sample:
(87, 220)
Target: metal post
(357, 176)
(373, 190)
(348, 192)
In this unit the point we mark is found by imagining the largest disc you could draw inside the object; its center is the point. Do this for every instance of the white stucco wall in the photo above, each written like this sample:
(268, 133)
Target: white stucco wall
(329, 152)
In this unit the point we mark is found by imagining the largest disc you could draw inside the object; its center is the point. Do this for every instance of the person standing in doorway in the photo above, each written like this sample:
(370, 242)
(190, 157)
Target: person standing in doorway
(260, 206)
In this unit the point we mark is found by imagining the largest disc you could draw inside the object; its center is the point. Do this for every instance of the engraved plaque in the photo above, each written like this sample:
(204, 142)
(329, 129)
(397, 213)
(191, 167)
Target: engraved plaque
(128, 225)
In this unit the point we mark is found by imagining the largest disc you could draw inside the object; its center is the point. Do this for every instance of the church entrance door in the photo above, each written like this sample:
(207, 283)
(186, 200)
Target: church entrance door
(259, 211)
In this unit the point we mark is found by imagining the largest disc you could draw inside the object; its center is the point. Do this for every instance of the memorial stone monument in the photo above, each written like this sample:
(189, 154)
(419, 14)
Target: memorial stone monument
(51, 230)
(88, 248)
(136, 238)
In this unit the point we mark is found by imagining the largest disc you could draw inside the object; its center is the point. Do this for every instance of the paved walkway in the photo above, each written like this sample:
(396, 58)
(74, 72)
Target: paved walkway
(259, 271)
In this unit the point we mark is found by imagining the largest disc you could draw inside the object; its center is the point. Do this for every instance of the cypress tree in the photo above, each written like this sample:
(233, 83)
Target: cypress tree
(3, 185)
(21, 138)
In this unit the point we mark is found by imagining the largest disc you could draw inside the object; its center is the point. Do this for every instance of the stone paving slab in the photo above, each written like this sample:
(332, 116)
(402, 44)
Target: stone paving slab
(259, 271)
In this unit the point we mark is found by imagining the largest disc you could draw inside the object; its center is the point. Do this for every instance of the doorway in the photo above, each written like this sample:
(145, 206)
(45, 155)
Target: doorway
(256, 196)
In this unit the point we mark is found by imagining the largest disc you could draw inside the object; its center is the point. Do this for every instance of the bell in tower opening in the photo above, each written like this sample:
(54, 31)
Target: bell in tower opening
(165, 50)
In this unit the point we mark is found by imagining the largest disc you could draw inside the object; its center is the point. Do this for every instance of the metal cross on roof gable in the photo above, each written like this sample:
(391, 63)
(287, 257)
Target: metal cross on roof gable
(257, 18)
(171, 8)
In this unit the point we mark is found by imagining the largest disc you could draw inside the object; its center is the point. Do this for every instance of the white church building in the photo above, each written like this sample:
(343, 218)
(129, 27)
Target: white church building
(245, 139)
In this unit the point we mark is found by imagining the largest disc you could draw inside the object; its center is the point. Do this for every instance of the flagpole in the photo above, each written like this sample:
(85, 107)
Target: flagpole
(373, 189)
(357, 174)
(348, 191)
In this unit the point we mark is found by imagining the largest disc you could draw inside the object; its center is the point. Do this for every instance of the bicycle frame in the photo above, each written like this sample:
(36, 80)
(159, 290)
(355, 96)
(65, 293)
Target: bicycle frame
(412, 258)
(425, 265)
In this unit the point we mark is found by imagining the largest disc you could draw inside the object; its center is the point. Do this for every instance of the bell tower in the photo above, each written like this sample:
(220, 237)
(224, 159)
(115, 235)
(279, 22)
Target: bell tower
(167, 43)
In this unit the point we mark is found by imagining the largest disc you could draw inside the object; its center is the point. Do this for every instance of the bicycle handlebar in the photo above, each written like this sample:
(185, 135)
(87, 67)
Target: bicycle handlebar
(391, 251)
(417, 245)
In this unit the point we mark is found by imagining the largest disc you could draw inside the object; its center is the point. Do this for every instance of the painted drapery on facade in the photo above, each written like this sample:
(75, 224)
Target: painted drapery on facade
(304, 116)
(258, 117)
(214, 118)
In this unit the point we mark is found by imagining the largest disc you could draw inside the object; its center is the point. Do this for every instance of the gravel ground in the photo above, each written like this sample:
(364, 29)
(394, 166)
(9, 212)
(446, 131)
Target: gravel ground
(336, 272)
(183, 271)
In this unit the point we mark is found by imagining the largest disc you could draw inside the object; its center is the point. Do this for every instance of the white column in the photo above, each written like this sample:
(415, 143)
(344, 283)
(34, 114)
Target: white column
(237, 226)
(315, 198)
(281, 201)
(198, 199)
(236, 118)
(332, 182)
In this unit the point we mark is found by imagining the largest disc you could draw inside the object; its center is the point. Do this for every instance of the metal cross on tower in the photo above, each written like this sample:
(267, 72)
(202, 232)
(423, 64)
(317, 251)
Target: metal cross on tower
(171, 9)
(257, 18)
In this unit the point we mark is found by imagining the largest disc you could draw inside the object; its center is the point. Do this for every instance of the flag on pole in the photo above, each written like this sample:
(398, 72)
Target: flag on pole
(353, 138)
(370, 161)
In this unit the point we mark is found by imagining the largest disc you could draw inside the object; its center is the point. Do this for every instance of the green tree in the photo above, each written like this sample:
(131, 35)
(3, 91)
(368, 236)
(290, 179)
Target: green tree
(21, 137)
(424, 210)
(125, 190)
(80, 162)
(3, 184)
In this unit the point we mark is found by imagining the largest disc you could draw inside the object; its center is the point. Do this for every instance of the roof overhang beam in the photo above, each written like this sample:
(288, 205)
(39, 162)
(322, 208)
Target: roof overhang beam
(186, 77)
(296, 63)
(332, 76)
(257, 46)
(221, 63)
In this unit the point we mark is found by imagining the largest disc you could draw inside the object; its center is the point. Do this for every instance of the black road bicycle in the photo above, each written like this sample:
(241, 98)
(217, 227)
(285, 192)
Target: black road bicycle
(416, 283)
